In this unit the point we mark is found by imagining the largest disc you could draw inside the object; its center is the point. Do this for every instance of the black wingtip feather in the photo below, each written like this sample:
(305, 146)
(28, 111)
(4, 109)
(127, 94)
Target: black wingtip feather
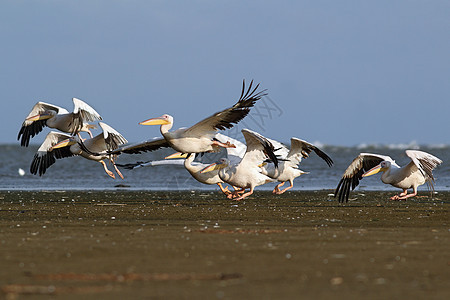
(28, 131)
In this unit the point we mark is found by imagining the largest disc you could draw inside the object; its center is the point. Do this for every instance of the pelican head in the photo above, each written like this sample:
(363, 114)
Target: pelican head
(163, 120)
(67, 142)
(382, 167)
(222, 163)
(44, 116)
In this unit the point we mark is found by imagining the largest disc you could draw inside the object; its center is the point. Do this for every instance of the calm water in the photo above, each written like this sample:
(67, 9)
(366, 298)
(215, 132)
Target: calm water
(77, 173)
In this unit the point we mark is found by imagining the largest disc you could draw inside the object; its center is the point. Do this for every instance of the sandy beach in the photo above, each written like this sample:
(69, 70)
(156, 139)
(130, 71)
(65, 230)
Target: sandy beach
(198, 245)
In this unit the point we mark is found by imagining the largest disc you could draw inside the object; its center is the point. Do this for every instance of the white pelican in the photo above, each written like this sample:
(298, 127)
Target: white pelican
(194, 168)
(289, 160)
(199, 137)
(411, 176)
(247, 173)
(44, 114)
(191, 166)
(59, 145)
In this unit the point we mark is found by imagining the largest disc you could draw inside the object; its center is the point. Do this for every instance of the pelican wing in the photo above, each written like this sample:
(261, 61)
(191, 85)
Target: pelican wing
(425, 162)
(82, 113)
(30, 128)
(353, 174)
(45, 157)
(226, 118)
(86, 112)
(152, 163)
(41, 107)
(258, 149)
(305, 148)
(150, 145)
(113, 139)
(280, 149)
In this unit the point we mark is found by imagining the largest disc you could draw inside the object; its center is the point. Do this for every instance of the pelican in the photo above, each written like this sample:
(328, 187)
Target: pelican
(247, 173)
(199, 137)
(44, 114)
(195, 168)
(59, 145)
(289, 160)
(411, 176)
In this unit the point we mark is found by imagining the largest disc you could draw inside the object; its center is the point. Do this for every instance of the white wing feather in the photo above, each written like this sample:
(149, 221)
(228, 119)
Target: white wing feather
(88, 113)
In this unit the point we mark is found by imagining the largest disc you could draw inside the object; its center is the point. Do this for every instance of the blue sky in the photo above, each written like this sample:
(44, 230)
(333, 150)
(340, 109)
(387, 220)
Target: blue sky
(338, 72)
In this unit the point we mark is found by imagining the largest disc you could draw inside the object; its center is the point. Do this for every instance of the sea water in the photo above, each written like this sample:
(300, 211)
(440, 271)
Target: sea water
(77, 173)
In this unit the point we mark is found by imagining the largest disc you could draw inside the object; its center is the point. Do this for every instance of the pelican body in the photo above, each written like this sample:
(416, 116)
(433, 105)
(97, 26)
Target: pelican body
(59, 145)
(288, 168)
(410, 176)
(194, 168)
(182, 140)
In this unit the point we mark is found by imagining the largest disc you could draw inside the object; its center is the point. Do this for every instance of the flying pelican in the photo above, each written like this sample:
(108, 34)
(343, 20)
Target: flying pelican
(59, 145)
(411, 176)
(44, 114)
(191, 166)
(247, 173)
(289, 160)
(195, 168)
(199, 137)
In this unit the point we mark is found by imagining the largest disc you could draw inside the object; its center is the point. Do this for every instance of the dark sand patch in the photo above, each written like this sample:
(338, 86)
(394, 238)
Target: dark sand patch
(155, 245)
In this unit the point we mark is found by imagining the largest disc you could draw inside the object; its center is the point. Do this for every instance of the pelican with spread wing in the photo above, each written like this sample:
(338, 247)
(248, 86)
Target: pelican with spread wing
(59, 145)
(201, 136)
(289, 161)
(246, 173)
(44, 114)
(410, 176)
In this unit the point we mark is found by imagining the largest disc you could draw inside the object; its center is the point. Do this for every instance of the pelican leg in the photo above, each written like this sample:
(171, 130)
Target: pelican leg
(111, 159)
(106, 169)
(224, 145)
(235, 194)
(405, 195)
(244, 195)
(276, 190)
(402, 194)
(239, 190)
(289, 187)
(117, 170)
(90, 126)
(224, 190)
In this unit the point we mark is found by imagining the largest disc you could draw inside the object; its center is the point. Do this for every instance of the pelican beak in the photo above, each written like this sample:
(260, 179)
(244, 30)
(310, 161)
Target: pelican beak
(176, 155)
(373, 171)
(155, 121)
(213, 167)
(43, 116)
(65, 143)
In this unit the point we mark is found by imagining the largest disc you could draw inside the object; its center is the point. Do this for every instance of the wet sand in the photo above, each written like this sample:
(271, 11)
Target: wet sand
(197, 245)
